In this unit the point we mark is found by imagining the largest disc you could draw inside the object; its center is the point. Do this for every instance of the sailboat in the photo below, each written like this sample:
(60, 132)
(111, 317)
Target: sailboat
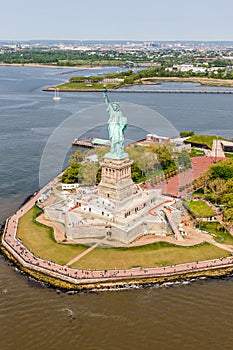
(56, 97)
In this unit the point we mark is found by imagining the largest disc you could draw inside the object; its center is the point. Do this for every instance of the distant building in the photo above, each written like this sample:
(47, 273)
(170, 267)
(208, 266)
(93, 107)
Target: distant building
(194, 69)
(153, 138)
(69, 186)
(227, 146)
(187, 68)
(180, 145)
(92, 158)
(229, 69)
(150, 140)
(100, 142)
(112, 80)
(91, 143)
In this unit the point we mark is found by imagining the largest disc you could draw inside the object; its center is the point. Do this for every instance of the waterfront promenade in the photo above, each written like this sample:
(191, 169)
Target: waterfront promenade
(77, 276)
(83, 277)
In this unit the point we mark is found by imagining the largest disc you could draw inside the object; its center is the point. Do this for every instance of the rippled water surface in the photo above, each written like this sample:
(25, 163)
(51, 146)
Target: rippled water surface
(195, 316)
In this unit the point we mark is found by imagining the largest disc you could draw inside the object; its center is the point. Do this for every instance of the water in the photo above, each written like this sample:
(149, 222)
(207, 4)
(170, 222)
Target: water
(196, 316)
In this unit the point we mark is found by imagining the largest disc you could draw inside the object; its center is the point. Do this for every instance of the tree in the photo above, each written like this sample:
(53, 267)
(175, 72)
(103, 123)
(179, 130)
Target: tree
(183, 159)
(163, 155)
(187, 133)
(203, 181)
(217, 188)
(137, 174)
(144, 158)
(88, 173)
(77, 156)
(217, 183)
(101, 151)
(71, 174)
(224, 172)
(228, 216)
(98, 175)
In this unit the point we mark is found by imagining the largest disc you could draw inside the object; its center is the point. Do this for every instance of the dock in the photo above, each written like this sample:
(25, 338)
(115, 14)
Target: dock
(173, 91)
(91, 142)
(84, 143)
(145, 91)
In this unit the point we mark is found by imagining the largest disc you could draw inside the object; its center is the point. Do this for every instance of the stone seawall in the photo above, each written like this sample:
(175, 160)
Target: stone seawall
(70, 278)
(65, 283)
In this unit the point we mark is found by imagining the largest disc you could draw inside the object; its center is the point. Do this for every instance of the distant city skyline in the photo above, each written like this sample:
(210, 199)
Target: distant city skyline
(149, 20)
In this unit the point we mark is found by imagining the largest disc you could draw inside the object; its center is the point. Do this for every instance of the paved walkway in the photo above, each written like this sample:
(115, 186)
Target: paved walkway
(78, 276)
(173, 225)
(172, 185)
(217, 150)
(87, 251)
(58, 228)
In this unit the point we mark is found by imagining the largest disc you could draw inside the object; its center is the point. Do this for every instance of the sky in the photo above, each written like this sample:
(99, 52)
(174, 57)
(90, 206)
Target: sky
(116, 20)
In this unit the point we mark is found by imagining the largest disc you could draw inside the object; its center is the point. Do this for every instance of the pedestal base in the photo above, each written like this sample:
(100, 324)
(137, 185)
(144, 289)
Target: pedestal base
(116, 183)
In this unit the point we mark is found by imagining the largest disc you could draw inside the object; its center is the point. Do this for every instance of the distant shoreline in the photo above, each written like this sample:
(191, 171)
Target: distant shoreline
(149, 81)
(144, 81)
(39, 65)
(202, 81)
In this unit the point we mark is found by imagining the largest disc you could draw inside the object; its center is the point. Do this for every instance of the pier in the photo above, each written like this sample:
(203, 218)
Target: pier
(173, 91)
(84, 143)
(90, 143)
(152, 91)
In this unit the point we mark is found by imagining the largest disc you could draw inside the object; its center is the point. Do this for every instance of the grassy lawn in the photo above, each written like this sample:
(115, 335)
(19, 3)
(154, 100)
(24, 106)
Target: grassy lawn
(39, 239)
(199, 193)
(85, 86)
(196, 152)
(200, 209)
(156, 254)
(202, 81)
(217, 231)
(203, 139)
(229, 155)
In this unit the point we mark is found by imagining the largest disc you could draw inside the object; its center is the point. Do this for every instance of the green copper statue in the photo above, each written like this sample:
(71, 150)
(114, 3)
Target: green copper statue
(117, 124)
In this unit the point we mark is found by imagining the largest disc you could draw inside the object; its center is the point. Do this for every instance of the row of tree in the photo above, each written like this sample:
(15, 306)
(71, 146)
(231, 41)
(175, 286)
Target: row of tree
(217, 184)
(148, 162)
(68, 57)
(165, 57)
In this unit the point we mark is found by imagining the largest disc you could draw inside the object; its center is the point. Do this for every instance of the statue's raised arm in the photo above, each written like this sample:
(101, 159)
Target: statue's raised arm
(117, 124)
(106, 99)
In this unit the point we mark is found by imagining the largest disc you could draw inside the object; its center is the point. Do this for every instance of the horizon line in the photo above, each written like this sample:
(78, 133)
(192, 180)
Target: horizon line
(125, 40)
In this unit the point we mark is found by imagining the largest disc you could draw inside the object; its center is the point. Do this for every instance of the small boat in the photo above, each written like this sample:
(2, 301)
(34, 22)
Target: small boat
(56, 97)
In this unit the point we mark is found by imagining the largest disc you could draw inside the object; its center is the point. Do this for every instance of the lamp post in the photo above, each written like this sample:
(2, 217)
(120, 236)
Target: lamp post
(216, 150)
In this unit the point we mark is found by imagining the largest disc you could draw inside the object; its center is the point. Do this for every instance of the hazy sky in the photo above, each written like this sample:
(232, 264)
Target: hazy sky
(116, 19)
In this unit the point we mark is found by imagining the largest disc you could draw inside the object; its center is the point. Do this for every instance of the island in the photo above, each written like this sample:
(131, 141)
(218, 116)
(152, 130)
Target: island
(126, 226)
(150, 76)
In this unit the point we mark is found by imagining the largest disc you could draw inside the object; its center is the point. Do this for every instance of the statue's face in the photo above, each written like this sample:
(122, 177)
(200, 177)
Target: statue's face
(115, 106)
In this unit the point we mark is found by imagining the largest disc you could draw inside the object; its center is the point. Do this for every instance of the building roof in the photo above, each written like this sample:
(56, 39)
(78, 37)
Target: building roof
(101, 142)
(227, 143)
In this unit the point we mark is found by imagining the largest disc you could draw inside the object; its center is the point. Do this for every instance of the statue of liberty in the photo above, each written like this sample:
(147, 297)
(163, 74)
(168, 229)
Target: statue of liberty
(117, 124)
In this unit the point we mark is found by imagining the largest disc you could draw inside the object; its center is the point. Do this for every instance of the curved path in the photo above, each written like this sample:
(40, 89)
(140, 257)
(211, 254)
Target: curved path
(77, 276)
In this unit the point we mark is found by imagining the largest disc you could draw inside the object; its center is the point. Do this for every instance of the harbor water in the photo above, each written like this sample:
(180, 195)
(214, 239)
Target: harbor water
(184, 316)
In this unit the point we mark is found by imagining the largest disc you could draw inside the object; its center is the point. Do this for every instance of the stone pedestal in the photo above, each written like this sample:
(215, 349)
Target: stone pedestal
(116, 183)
